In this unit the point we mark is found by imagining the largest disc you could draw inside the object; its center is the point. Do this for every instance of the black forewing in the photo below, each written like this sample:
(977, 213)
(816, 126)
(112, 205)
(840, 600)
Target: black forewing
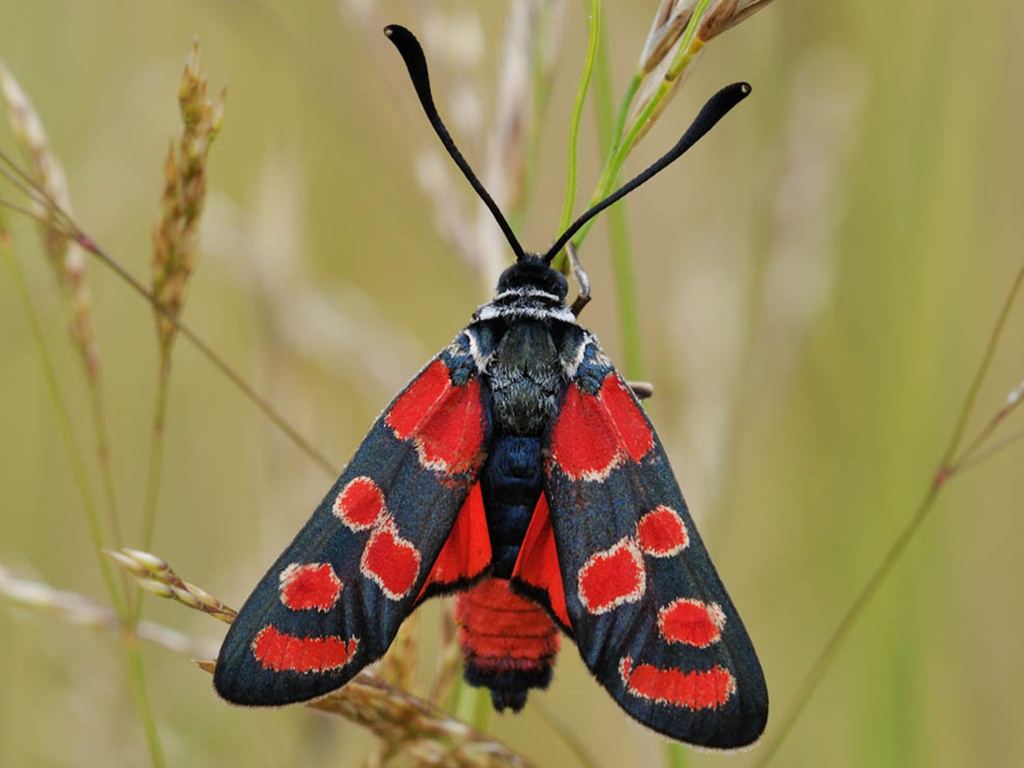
(424, 455)
(677, 688)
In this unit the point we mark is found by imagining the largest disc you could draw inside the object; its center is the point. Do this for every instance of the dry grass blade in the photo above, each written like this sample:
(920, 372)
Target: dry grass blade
(419, 730)
(79, 610)
(407, 723)
(157, 577)
(399, 666)
(48, 184)
(449, 657)
(66, 225)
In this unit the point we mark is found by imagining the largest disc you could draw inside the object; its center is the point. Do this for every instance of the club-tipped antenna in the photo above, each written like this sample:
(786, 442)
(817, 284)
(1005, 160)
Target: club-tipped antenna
(716, 108)
(416, 63)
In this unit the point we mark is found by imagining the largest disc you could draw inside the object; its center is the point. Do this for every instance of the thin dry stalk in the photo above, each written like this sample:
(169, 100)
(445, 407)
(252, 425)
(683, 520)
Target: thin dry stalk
(953, 461)
(413, 727)
(399, 665)
(175, 240)
(65, 224)
(66, 258)
(528, 54)
(417, 728)
(79, 610)
(155, 576)
(136, 679)
(68, 261)
(449, 658)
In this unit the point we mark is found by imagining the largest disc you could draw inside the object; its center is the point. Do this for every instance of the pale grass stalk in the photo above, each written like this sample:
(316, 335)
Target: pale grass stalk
(526, 65)
(680, 30)
(79, 610)
(175, 248)
(948, 467)
(399, 665)
(449, 657)
(593, 43)
(566, 733)
(408, 724)
(618, 226)
(412, 727)
(398, 669)
(335, 326)
(68, 261)
(67, 225)
(155, 576)
(136, 680)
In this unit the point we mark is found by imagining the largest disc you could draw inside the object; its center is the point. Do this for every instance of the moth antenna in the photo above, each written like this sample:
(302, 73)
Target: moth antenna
(716, 108)
(416, 63)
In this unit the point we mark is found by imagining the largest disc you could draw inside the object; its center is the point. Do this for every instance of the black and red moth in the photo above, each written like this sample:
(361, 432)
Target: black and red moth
(518, 470)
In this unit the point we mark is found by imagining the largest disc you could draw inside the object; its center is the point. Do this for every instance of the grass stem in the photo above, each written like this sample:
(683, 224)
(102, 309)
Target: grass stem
(947, 468)
(156, 449)
(129, 641)
(593, 43)
(618, 225)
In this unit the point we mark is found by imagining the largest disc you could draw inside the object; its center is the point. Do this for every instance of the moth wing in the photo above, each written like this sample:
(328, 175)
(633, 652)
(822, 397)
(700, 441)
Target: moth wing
(399, 524)
(649, 613)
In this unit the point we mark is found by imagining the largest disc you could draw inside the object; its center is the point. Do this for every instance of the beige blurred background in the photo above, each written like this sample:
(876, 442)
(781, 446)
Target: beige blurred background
(817, 283)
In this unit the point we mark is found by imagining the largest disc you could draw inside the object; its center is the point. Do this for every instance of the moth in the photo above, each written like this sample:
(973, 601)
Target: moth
(518, 470)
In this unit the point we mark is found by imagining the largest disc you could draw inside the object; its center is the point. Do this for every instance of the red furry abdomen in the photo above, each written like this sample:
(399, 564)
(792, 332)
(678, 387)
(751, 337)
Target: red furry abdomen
(508, 642)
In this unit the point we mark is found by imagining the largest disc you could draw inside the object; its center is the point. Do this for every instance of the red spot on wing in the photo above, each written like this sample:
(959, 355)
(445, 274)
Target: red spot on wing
(662, 533)
(537, 565)
(634, 431)
(390, 561)
(708, 689)
(449, 438)
(583, 441)
(418, 398)
(596, 433)
(445, 422)
(467, 551)
(314, 585)
(612, 577)
(360, 504)
(691, 622)
(281, 652)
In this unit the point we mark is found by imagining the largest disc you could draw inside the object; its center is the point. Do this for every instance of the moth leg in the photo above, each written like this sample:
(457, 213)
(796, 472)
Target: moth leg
(583, 298)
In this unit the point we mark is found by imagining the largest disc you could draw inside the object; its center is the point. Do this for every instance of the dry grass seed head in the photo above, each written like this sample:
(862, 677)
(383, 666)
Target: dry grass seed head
(65, 256)
(175, 234)
(662, 61)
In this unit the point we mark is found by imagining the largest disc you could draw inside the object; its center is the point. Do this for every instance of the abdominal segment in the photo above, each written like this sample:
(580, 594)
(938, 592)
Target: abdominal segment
(508, 642)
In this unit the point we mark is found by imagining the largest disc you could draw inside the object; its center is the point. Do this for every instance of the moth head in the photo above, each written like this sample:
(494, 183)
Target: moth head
(532, 271)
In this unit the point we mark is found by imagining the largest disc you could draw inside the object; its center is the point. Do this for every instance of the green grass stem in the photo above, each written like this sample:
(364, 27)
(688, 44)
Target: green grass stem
(156, 451)
(593, 43)
(129, 641)
(618, 224)
(688, 49)
(947, 467)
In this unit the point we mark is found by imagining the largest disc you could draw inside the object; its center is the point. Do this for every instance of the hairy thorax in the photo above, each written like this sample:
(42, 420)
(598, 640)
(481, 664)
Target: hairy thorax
(526, 377)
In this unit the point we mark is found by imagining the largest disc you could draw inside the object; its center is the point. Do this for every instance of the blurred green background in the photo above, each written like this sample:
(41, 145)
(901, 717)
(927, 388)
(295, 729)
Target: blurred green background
(817, 283)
